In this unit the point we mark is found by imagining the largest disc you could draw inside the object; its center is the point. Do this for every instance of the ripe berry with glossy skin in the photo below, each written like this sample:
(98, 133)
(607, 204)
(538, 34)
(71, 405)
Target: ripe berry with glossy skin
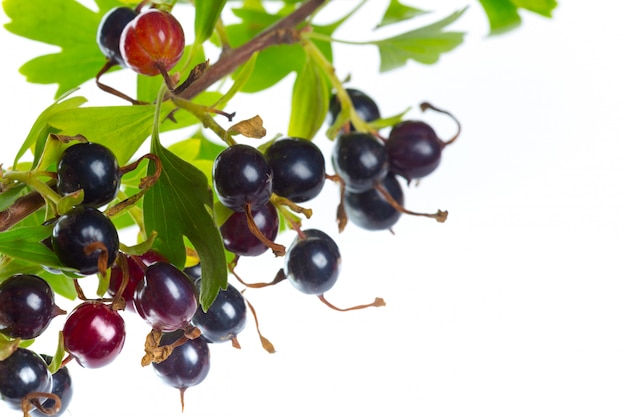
(92, 168)
(136, 267)
(61, 386)
(22, 373)
(360, 160)
(26, 306)
(224, 319)
(110, 31)
(152, 42)
(370, 210)
(240, 240)
(241, 176)
(298, 167)
(94, 334)
(80, 236)
(187, 366)
(312, 263)
(364, 105)
(413, 149)
(166, 298)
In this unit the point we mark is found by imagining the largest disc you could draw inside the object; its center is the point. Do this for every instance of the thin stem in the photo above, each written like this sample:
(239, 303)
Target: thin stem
(342, 95)
(280, 33)
(31, 179)
(330, 39)
(202, 113)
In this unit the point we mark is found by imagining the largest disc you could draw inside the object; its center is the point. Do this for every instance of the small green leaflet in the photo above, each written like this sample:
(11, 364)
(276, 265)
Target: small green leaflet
(64, 23)
(504, 14)
(397, 12)
(24, 243)
(310, 101)
(121, 128)
(179, 205)
(424, 45)
(39, 132)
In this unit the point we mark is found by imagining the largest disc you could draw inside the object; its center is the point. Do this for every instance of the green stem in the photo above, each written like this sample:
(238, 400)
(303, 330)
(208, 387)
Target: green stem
(135, 213)
(343, 97)
(202, 113)
(330, 39)
(30, 178)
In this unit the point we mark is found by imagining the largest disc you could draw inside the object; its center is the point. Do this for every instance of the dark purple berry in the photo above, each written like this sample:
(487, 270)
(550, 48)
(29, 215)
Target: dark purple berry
(61, 386)
(82, 236)
(242, 176)
(166, 298)
(298, 166)
(22, 373)
(370, 210)
(413, 150)
(312, 263)
(364, 105)
(188, 364)
(360, 160)
(240, 240)
(110, 30)
(26, 306)
(224, 319)
(92, 168)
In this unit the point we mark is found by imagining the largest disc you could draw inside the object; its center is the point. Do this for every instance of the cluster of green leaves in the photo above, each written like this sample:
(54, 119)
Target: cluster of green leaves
(180, 208)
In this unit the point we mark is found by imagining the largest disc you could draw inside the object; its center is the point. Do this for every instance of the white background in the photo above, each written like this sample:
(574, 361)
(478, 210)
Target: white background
(513, 307)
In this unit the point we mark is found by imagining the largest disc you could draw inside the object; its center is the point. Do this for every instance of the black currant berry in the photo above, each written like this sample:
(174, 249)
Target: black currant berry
(85, 239)
(370, 210)
(187, 365)
(240, 240)
(298, 167)
(364, 105)
(22, 373)
(92, 168)
(413, 149)
(61, 386)
(136, 266)
(26, 306)
(224, 319)
(166, 298)
(110, 31)
(242, 176)
(360, 160)
(313, 262)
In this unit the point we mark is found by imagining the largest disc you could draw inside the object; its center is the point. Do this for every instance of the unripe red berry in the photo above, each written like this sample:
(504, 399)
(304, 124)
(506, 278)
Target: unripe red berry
(152, 42)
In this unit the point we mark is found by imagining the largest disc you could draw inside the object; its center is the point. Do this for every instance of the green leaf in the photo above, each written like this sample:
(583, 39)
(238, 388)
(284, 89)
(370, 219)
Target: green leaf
(179, 205)
(24, 243)
(121, 128)
(59, 354)
(504, 15)
(397, 12)
(424, 45)
(207, 13)
(64, 23)
(41, 128)
(309, 102)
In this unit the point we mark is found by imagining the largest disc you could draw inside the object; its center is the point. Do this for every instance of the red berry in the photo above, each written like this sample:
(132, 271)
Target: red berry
(152, 42)
(94, 334)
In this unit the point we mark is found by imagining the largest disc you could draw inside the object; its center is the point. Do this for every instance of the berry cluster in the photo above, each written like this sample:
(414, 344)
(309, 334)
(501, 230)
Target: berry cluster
(369, 164)
(259, 187)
